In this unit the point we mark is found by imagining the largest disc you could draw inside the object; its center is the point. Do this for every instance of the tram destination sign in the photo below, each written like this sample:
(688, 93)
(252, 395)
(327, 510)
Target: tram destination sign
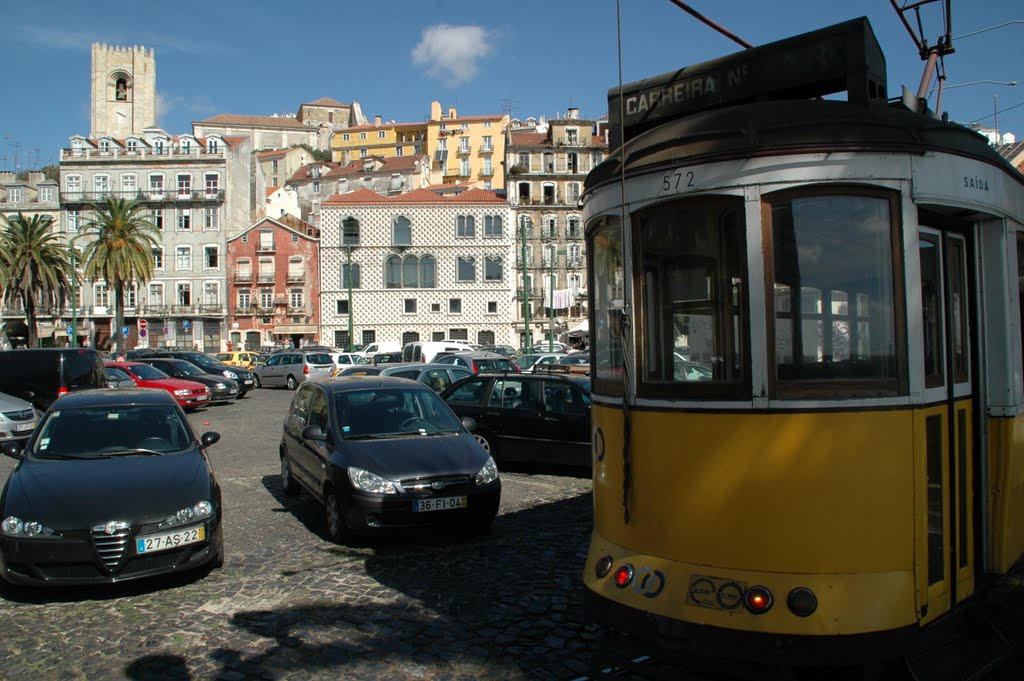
(844, 57)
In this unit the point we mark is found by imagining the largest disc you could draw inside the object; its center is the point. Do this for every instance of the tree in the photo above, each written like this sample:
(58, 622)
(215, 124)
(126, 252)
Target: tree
(121, 249)
(322, 155)
(35, 266)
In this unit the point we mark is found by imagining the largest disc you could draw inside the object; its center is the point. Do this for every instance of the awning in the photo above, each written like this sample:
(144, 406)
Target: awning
(289, 329)
(582, 327)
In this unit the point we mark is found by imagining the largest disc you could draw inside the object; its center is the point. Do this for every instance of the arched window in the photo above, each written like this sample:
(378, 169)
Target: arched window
(393, 272)
(350, 273)
(121, 89)
(410, 337)
(401, 232)
(492, 268)
(350, 232)
(410, 271)
(428, 272)
(465, 269)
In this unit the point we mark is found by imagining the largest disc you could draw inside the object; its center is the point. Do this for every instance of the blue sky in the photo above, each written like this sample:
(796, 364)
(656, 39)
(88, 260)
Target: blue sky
(537, 57)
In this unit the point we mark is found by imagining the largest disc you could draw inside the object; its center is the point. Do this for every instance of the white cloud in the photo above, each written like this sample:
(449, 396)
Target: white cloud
(452, 52)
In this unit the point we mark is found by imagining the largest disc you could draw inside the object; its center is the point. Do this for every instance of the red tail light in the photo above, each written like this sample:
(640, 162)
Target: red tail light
(305, 369)
(62, 391)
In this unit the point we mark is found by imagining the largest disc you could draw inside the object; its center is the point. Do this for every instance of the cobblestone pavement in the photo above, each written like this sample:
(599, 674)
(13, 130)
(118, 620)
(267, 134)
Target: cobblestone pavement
(289, 604)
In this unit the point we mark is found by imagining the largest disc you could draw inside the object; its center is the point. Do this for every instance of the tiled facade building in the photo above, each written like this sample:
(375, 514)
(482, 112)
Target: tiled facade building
(546, 165)
(274, 290)
(420, 266)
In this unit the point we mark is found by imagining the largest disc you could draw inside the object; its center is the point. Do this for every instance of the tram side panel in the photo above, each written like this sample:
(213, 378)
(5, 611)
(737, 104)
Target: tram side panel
(1006, 486)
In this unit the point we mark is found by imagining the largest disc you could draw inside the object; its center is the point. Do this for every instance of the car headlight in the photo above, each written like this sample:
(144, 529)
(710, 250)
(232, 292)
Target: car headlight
(365, 481)
(13, 526)
(198, 511)
(231, 374)
(219, 386)
(182, 392)
(489, 473)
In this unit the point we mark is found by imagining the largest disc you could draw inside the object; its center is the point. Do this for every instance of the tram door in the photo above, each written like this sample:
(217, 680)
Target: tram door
(948, 417)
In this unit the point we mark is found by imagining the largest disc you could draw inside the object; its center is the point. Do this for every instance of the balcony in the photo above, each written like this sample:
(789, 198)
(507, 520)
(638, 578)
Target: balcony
(573, 260)
(296, 310)
(465, 150)
(245, 311)
(486, 149)
(156, 310)
(265, 248)
(280, 300)
(212, 309)
(296, 277)
(182, 310)
(118, 154)
(243, 277)
(266, 279)
(265, 311)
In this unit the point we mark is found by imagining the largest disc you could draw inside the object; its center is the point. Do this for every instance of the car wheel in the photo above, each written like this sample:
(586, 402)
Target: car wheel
(255, 382)
(242, 393)
(335, 516)
(218, 556)
(485, 443)
(291, 383)
(288, 484)
(482, 523)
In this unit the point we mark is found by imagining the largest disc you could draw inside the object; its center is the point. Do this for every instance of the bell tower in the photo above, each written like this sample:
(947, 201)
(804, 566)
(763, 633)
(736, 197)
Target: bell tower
(123, 90)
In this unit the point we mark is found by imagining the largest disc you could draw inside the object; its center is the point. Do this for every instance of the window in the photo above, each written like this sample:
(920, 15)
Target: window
(492, 308)
(574, 255)
(73, 217)
(464, 145)
(488, 167)
(211, 293)
(158, 258)
(184, 294)
(46, 194)
(454, 307)
(609, 302)
(362, 135)
(316, 187)
(74, 185)
(350, 232)
(266, 299)
(399, 152)
(296, 268)
(834, 303)
(458, 334)
(492, 226)
(266, 273)
(369, 336)
(186, 146)
(409, 305)
(487, 144)
(345, 137)
(350, 275)
(364, 152)
(156, 184)
(158, 147)
(401, 232)
(156, 217)
(212, 146)
(464, 167)
(380, 134)
(14, 195)
(465, 226)
(244, 299)
(436, 307)
(572, 136)
(183, 258)
(184, 185)
(492, 268)
(184, 220)
(409, 272)
(572, 231)
(572, 192)
(101, 184)
(100, 295)
(295, 298)
(212, 182)
(524, 160)
(128, 186)
(465, 269)
(266, 240)
(121, 90)
(156, 294)
(211, 219)
(341, 307)
(211, 257)
(133, 145)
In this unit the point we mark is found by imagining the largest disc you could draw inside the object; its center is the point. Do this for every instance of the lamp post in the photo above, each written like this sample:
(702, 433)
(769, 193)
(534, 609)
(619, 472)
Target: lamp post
(551, 298)
(348, 278)
(73, 341)
(526, 287)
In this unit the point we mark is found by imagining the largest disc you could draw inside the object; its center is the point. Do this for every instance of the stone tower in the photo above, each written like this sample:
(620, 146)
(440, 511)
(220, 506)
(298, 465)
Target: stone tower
(123, 90)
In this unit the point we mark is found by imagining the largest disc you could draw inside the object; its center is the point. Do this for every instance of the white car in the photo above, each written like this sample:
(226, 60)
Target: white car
(343, 360)
(18, 418)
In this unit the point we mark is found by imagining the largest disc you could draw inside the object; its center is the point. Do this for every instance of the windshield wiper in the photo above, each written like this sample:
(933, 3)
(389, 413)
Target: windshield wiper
(127, 452)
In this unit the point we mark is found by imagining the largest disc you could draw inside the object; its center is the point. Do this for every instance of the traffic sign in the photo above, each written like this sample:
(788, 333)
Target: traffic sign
(142, 323)
(124, 331)
(142, 333)
(70, 331)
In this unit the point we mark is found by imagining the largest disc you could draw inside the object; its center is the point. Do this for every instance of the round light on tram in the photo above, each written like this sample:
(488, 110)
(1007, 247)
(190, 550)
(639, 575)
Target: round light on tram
(758, 600)
(802, 602)
(603, 566)
(623, 575)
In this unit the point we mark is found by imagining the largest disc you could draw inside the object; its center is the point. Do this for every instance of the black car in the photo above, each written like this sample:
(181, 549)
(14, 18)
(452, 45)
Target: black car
(222, 388)
(211, 364)
(388, 357)
(41, 375)
(383, 454)
(541, 418)
(113, 486)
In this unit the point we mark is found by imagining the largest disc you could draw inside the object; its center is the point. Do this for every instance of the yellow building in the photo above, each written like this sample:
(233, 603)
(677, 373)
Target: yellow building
(467, 150)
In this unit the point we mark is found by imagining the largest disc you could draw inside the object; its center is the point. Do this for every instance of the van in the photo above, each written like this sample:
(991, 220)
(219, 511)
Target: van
(384, 346)
(41, 375)
(426, 351)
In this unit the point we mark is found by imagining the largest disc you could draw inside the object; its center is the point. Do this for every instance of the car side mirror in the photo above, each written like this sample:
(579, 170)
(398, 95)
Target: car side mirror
(314, 433)
(469, 423)
(209, 438)
(15, 450)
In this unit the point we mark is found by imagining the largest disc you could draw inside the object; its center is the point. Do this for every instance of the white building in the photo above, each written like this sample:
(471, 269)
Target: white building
(421, 266)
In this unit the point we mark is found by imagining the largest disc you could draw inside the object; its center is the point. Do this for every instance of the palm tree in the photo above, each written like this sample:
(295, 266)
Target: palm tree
(121, 249)
(35, 266)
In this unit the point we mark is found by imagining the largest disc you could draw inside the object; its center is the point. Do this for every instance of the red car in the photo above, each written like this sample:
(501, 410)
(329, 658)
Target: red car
(189, 394)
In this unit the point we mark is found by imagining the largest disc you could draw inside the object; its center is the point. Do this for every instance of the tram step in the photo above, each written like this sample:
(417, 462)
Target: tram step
(970, 649)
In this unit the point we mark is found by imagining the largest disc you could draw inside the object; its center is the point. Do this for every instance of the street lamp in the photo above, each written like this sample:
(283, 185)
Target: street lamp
(526, 286)
(348, 278)
(551, 297)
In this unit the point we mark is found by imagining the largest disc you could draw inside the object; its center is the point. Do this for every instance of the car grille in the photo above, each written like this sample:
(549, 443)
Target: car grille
(452, 483)
(110, 547)
(25, 415)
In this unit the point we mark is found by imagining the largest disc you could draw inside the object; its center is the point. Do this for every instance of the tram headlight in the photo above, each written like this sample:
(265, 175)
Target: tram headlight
(623, 575)
(802, 602)
(603, 566)
(758, 600)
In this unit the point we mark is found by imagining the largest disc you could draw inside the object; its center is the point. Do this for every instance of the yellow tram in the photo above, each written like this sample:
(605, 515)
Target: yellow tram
(808, 409)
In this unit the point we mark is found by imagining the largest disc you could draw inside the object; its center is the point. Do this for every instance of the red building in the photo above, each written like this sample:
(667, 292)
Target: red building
(273, 285)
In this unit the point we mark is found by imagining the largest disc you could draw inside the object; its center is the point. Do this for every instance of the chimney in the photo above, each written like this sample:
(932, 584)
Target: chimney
(452, 113)
(435, 110)
(574, 112)
(376, 121)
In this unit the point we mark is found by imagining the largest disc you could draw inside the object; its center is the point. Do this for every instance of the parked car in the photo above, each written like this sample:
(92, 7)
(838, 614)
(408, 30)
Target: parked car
(222, 388)
(387, 358)
(244, 377)
(18, 418)
(504, 350)
(527, 417)
(479, 361)
(361, 370)
(545, 346)
(437, 376)
(118, 379)
(239, 358)
(188, 394)
(526, 363)
(427, 351)
(383, 453)
(41, 375)
(114, 486)
(382, 346)
(347, 359)
(291, 367)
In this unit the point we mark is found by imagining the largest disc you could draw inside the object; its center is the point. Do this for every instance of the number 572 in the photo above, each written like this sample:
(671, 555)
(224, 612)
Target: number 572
(673, 181)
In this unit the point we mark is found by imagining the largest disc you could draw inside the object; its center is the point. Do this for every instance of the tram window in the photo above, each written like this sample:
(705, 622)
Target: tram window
(608, 275)
(834, 304)
(1020, 284)
(931, 310)
(692, 260)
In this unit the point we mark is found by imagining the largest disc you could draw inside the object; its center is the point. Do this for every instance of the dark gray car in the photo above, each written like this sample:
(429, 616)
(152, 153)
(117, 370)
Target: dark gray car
(437, 376)
(222, 388)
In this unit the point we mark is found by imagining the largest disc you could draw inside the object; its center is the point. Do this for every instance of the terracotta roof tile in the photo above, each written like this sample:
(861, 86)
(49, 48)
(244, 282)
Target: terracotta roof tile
(326, 101)
(417, 197)
(254, 121)
(530, 139)
(272, 152)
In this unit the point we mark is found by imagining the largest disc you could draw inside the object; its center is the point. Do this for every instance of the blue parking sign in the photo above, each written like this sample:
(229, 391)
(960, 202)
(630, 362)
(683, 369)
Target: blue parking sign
(70, 330)
(124, 331)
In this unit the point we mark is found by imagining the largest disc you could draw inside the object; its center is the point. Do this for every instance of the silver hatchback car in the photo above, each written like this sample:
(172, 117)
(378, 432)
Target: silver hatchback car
(292, 367)
(18, 418)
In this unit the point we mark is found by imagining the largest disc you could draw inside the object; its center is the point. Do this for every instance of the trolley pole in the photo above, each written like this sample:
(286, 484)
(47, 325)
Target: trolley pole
(73, 341)
(349, 282)
(526, 287)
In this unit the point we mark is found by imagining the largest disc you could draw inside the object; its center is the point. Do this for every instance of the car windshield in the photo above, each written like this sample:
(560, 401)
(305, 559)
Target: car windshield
(318, 358)
(392, 412)
(494, 365)
(526, 361)
(148, 373)
(98, 432)
(115, 374)
(187, 368)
